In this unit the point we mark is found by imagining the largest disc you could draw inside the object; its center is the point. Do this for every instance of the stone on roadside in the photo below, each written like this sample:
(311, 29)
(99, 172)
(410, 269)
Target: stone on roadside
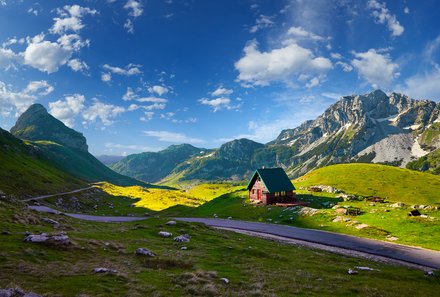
(170, 223)
(362, 226)
(351, 271)
(144, 252)
(165, 234)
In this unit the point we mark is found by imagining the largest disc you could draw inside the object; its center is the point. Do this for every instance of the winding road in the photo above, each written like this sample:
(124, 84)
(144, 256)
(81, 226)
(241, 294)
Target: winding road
(408, 254)
(59, 194)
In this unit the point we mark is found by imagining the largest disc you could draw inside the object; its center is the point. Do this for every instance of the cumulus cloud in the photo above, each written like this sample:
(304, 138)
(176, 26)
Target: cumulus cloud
(159, 90)
(70, 18)
(376, 68)
(382, 15)
(48, 56)
(129, 70)
(66, 110)
(130, 95)
(299, 32)
(135, 10)
(8, 58)
(104, 112)
(154, 106)
(173, 137)
(19, 101)
(423, 86)
(222, 92)
(262, 22)
(261, 68)
(78, 65)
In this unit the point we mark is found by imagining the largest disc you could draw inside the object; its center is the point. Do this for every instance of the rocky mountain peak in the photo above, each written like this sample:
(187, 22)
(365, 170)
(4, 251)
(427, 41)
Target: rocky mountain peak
(37, 124)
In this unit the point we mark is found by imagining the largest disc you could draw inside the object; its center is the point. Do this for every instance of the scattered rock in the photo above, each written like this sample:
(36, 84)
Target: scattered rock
(61, 238)
(308, 211)
(170, 223)
(424, 216)
(17, 292)
(215, 215)
(365, 268)
(182, 238)
(338, 219)
(229, 218)
(392, 238)
(362, 226)
(184, 248)
(342, 211)
(165, 234)
(50, 221)
(351, 271)
(104, 270)
(269, 220)
(144, 252)
(397, 205)
(225, 280)
(133, 205)
(414, 213)
(427, 273)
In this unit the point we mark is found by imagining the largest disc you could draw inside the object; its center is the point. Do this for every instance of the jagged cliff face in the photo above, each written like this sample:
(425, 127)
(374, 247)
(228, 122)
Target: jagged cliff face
(37, 124)
(371, 128)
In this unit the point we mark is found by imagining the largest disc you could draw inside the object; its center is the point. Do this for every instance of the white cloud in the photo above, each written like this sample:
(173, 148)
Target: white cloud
(222, 92)
(345, 67)
(20, 100)
(70, 18)
(135, 8)
(262, 68)
(378, 69)
(159, 90)
(39, 87)
(130, 95)
(48, 56)
(102, 111)
(313, 83)
(129, 70)
(106, 77)
(8, 58)
(78, 65)
(217, 103)
(262, 22)
(423, 86)
(382, 15)
(330, 95)
(66, 110)
(406, 10)
(154, 106)
(300, 32)
(174, 137)
(132, 147)
(148, 116)
(336, 56)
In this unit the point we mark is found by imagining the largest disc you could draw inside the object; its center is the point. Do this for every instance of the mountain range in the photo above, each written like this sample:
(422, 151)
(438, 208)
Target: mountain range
(373, 128)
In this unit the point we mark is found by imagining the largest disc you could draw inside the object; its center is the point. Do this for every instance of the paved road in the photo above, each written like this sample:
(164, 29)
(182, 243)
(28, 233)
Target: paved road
(59, 194)
(107, 219)
(404, 253)
(409, 254)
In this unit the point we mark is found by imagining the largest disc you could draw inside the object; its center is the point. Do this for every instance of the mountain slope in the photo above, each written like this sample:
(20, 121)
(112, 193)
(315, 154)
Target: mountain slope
(395, 184)
(24, 171)
(64, 147)
(151, 166)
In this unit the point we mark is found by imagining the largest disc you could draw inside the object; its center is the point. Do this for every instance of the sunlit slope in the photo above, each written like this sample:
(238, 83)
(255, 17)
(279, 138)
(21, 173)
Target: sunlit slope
(160, 199)
(396, 184)
(23, 171)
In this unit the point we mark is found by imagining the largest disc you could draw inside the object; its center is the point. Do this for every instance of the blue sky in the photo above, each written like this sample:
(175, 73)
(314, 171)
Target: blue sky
(139, 75)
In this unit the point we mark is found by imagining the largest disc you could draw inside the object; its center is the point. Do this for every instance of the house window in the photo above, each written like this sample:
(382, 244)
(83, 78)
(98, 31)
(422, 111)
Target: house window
(253, 191)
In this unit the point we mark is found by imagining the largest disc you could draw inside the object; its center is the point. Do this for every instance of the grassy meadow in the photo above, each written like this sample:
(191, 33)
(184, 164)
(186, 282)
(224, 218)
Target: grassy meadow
(254, 267)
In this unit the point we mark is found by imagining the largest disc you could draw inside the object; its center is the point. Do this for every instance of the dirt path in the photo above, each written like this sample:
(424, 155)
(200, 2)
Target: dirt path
(59, 194)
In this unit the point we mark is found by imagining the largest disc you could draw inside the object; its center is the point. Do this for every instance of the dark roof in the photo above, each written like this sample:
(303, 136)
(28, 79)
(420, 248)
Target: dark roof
(275, 180)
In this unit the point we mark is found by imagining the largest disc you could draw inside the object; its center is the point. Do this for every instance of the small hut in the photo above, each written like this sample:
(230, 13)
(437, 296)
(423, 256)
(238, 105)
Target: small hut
(271, 186)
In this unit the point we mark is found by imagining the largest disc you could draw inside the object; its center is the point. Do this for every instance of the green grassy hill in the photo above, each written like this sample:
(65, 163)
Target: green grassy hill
(396, 184)
(429, 163)
(25, 172)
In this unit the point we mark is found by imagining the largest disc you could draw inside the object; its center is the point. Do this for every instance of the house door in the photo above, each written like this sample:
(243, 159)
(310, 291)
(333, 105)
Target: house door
(258, 194)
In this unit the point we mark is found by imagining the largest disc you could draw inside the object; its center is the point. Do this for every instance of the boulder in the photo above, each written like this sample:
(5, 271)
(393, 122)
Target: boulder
(414, 213)
(144, 252)
(184, 248)
(225, 280)
(165, 234)
(182, 238)
(50, 221)
(397, 205)
(362, 226)
(104, 270)
(342, 211)
(7, 292)
(43, 237)
(170, 223)
(351, 271)
(61, 238)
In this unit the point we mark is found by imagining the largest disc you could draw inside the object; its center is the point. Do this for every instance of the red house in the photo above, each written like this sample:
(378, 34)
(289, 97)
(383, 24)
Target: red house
(270, 186)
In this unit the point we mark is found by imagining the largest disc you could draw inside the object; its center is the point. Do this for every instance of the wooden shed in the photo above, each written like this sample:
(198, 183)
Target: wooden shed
(270, 186)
